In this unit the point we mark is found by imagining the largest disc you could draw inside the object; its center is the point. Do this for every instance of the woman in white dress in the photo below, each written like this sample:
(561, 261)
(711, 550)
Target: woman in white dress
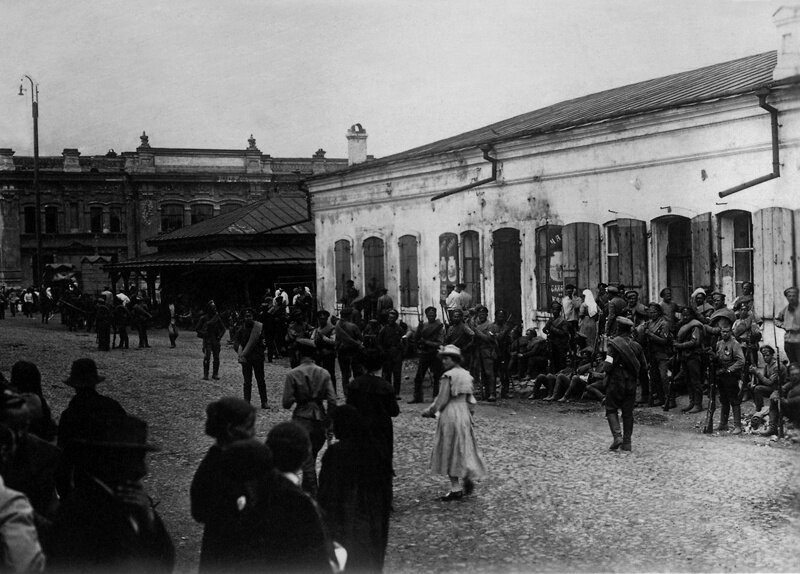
(455, 452)
(588, 315)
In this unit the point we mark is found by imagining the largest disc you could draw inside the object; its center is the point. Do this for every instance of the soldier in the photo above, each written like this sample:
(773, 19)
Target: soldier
(729, 364)
(120, 316)
(211, 329)
(460, 334)
(326, 344)
(671, 309)
(626, 364)
(349, 343)
(702, 308)
(557, 331)
(656, 338)
(504, 330)
(689, 344)
(103, 325)
(429, 338)
(788, 319)
(634, 310)
(616, 308)
(486, 353)
(390, 345)
(789, 399)
(140, 317)
(768, 381)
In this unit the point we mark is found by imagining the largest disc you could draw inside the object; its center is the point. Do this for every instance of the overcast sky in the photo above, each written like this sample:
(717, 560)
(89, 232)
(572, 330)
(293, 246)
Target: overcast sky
(297, 73)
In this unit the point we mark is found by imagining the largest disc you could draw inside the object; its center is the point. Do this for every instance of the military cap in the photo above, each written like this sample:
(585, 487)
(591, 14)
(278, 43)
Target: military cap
(624, 321)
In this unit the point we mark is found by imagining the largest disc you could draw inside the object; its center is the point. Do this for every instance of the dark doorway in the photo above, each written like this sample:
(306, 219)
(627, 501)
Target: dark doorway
(507, 274)
(679, 259)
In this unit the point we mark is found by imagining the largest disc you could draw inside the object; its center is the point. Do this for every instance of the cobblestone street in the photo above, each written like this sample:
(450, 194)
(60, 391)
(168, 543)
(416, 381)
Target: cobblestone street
(555, 498)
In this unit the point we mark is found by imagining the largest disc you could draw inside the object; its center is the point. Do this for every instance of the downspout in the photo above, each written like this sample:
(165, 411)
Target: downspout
(301, 185)
(486, 148)
(776, 164)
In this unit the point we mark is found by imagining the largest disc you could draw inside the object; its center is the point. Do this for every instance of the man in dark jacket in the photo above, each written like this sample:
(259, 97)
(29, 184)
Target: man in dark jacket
(390, 345)
(108, 523)
(211, 328)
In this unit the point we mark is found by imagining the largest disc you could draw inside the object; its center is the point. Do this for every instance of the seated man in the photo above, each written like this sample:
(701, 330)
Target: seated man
(585, 374)
(535, 354)
(789, 402)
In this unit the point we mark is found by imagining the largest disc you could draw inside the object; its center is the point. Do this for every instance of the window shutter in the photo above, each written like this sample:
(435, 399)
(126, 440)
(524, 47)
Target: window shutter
(773, 263)
(581, 243)
(702, 257)
(633, 254)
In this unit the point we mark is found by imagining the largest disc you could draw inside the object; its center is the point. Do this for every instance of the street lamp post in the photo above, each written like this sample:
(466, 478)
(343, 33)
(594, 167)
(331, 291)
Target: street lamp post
(37, 192)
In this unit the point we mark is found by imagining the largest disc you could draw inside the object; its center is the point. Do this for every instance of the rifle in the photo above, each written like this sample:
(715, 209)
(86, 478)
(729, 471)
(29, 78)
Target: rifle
(780, 378)
(445, 317)
(708, 425)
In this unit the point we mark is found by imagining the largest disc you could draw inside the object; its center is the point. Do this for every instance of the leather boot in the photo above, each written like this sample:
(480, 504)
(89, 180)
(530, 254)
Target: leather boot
(737, 419)
(627, 431)
(613, 424)
(690, 406)
(248, 392)
(205, 371)
(724, 413)
(698, 403)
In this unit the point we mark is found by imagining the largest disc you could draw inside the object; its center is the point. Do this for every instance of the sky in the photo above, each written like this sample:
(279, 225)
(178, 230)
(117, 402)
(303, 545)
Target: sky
(297, 73)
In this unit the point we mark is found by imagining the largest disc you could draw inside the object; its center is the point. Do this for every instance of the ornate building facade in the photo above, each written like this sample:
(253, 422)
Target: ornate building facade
(107, 207)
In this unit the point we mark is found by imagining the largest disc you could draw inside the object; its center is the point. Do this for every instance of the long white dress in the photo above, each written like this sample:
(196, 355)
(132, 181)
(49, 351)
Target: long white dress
(455, 452)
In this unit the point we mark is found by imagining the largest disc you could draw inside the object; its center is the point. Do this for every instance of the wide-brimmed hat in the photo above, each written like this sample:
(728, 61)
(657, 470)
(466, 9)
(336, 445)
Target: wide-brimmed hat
(122, 432)
(449, 351)
(83, 374)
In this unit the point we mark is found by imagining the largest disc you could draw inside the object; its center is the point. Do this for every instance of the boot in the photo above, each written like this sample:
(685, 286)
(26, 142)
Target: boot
(248, 392)
(205, 371)
(690, 406)
(698, 403)
(627, 431)
(737, 419)
(613, 424)
(724, 413)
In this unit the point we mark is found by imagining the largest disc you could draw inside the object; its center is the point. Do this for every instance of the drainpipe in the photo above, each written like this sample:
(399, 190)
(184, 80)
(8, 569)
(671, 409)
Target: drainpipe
(486, 148)
(776, 164)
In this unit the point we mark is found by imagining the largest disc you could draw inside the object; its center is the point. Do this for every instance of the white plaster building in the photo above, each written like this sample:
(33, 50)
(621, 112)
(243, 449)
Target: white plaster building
(621, 186)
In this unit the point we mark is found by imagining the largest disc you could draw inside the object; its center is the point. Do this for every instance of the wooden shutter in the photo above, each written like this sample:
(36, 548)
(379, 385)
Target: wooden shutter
(341, 254)
(409, 282)
(633, 254)
(581, 257)
(373, 265)
(773, 262)
(702, 255)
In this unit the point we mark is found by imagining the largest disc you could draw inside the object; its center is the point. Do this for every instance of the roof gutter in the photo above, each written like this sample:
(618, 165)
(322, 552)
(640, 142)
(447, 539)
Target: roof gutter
(776, 163)
(486, 148)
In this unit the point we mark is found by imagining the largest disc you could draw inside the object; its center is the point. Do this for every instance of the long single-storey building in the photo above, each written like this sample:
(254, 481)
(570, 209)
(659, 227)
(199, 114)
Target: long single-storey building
(629, 185)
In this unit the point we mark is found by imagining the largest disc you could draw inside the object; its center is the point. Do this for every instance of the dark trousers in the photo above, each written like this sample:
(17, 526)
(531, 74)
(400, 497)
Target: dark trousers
(392, 369)
(104, 337)
(122, 331)
(789, 408)
(622, 398)
(351, 368)
(558, 358)
(659, 382)
(792, 351)
(484, 369)
(761, 392)
(427, 362)
(501, 365)
(316, 431)
(728, 386)
(142, 328)
(328, 362)
(692, 369)
(248, 369)
(210, 350)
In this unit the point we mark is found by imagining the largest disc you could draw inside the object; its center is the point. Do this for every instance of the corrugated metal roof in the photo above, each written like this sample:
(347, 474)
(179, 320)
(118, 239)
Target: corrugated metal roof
(287, 255)
(278, 214)
(703, 84)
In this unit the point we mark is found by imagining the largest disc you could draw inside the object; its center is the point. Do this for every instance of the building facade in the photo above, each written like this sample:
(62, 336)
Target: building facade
(110, 206)
(622, 186)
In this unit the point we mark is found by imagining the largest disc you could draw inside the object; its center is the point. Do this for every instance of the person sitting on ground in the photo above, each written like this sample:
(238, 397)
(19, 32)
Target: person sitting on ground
(535, 354)
(108, 523)
(765, 382)
(789, 399)
(586, 372)
(299, 539)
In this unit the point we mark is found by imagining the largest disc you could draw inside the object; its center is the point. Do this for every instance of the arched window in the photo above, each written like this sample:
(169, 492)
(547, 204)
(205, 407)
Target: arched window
(549, 268)
(96, 219)
(409, 278)
(171, 217)
(51, 219)
(373, 265)
(201, 212)
(471, 264)
(342, 269)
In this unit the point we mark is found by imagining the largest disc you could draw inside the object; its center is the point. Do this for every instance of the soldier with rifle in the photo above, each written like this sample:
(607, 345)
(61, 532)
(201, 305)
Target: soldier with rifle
(429, 337)
(728, 362)
(558, 334)
(504, 329)
(784, 402)
(656, 338)
(486, 353)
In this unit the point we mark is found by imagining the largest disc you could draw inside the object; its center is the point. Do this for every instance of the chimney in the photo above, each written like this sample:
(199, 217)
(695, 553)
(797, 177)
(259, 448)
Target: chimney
(71, 161)
(787, 22)
(356, 144)
(6, 159)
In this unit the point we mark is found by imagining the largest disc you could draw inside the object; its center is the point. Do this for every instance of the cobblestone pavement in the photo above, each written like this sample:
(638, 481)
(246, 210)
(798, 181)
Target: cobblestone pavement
(555, 499)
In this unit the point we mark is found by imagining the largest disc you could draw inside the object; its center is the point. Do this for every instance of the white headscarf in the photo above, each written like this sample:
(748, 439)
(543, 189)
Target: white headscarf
(590, 303)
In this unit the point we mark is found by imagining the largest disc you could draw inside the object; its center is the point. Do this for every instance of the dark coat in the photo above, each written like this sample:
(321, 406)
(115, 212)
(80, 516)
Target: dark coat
(95, 532)
(254, 519)
(375, 401)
